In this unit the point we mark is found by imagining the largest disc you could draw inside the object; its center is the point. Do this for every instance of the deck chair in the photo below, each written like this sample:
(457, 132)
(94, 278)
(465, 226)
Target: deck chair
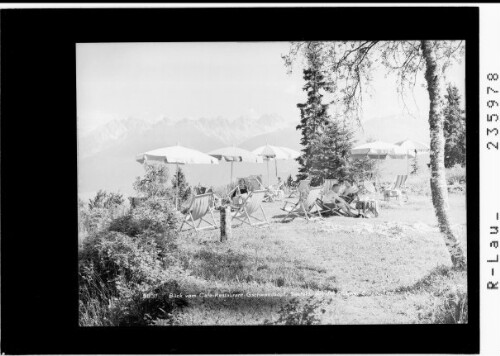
(304, 184)
(245, 213)
(338, 206)
(397, 189)
(200, 206)
(333, 206)
(307, 205)
(254, 183)
(275, 193)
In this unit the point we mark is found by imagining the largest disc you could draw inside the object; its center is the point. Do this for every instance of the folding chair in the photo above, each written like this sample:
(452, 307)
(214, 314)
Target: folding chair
(200, 206)
(397, 189)
(245, 213)
(304, 184)
(304, 206)
(275, 193)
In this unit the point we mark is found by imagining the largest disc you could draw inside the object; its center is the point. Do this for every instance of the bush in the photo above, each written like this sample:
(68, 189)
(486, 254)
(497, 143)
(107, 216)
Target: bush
(100, 211)
(127, 225)
(125, 280)
(456, 174)
(105, 200)
(154, 182)
(297, 313)
(181, 186)
(363, 169)
(157, 214)
(453, 309)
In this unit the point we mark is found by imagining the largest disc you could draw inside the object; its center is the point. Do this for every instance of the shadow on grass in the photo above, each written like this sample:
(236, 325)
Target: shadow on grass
(438, 280)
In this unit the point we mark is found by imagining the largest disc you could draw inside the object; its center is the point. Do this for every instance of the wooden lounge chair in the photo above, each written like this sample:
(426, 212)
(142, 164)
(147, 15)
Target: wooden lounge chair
(304, 185)
(397, 189)
(253, 182)
(200, 206)
(307, 205)
(333, 205)
(275, 193)
(245, 213)
(339, 206)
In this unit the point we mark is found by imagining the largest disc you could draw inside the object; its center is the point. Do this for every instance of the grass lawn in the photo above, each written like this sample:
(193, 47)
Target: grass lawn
(355, 271)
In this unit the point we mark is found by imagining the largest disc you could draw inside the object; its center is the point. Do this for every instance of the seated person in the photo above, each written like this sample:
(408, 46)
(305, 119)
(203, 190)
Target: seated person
(351, 192)
(333, 197)
(200, 189)
(239, 194)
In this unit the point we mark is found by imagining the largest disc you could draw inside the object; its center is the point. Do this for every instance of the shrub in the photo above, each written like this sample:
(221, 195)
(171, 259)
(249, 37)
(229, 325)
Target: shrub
(453, 309)
(299, 313)
(181, 186)
(154, 182)
(157, 214)
(363, 169)
(100, 211)
(456, 174)
(124, 280)
(127, 225)
(105, 200)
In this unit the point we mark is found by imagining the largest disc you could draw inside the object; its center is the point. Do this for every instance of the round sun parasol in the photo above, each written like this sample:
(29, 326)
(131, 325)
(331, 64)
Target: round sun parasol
(269, 152)
(234, 154)
(176, 155)
(377, 149)
(413, 147)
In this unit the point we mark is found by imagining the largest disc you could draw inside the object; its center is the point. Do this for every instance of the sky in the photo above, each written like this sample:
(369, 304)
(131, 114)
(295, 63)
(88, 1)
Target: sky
(191, 80)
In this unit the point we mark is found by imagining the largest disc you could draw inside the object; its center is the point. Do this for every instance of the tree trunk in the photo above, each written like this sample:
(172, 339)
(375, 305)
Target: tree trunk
(439, 189)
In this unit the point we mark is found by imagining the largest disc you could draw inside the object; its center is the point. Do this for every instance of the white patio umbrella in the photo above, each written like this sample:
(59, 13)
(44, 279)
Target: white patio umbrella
(234, 154)
(377, 149)
(275, 152)
(413, 147)
(176, 155)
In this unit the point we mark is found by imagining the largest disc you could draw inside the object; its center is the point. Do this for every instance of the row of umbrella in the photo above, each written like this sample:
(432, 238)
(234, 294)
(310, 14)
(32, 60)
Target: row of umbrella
(180, 155)
(381, 150)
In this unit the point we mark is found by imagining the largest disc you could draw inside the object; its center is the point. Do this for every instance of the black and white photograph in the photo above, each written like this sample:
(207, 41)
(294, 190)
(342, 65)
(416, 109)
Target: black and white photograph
(249, 178)
(272, 183)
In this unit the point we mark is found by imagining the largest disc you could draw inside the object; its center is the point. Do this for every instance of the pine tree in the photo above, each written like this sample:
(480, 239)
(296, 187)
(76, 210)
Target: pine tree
(313, 113)
(326, 141)
(454, 129)
(331, 152)
(179, 181)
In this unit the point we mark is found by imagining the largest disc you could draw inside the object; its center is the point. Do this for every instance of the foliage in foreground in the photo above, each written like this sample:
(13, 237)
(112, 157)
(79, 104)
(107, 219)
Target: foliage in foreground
(125, 281)
(127, 267)
(297, 312)
(448, 296)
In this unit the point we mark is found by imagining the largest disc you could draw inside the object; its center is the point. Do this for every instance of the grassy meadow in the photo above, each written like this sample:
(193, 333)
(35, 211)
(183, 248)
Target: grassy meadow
(136, 270)
(364, 271)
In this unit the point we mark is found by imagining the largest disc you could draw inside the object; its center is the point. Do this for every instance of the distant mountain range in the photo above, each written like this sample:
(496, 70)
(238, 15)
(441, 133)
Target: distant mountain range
(133, 136)
(107, 154)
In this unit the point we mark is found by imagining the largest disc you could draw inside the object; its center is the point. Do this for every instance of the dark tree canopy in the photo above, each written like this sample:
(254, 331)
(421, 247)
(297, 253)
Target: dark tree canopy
(454, 129)
(181, 186)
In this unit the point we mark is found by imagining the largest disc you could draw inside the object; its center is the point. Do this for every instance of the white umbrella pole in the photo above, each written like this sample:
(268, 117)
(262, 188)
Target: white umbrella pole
(268, 179)
(407, 167)
(231, 173)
